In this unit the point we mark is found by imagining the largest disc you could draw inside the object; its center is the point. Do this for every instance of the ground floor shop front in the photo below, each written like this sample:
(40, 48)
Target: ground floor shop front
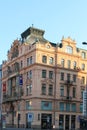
(35, 119)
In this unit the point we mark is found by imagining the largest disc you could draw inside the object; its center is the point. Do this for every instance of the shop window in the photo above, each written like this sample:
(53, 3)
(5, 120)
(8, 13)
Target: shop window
(61, 122)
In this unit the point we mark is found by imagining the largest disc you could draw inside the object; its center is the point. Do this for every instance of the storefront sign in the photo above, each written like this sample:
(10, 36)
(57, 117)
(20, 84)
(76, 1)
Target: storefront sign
(30, 117)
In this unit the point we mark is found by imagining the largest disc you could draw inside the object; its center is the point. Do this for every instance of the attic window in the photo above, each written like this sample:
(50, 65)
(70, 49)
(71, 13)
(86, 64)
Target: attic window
(69, 49)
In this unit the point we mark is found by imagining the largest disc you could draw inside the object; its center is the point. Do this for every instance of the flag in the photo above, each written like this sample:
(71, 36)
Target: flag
(20, 80)
(4, 87)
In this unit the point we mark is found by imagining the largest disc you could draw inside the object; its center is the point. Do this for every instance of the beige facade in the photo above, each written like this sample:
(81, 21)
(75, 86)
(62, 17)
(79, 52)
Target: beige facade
(44, 82)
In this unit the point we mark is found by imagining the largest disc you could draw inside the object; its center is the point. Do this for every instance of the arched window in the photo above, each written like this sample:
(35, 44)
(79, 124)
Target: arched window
(69, 49)
(83, 55)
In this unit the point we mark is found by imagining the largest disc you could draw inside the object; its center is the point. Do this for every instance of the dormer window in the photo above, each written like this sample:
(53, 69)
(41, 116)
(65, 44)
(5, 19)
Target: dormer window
(69, 49)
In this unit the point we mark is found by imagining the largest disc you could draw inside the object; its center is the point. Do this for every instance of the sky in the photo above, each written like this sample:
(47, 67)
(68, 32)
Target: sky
(58, 18)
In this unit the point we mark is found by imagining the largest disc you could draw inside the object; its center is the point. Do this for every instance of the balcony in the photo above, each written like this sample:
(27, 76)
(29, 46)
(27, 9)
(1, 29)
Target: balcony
(14, 97)
(11, 70)
(9, 98)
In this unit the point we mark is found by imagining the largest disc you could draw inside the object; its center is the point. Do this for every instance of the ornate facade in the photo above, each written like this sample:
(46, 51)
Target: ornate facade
(43, 82)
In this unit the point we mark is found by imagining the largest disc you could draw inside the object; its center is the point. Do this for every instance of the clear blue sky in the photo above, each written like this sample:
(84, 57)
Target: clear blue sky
(57, 17)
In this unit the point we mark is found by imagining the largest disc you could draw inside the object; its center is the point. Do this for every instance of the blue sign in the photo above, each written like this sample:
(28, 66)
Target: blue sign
(20, 80)
(30, 117)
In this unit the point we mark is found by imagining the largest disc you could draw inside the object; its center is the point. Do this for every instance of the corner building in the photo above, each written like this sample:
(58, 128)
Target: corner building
(43, 82)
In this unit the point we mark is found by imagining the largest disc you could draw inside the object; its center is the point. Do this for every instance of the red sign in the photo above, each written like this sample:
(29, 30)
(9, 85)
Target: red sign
(4, 87)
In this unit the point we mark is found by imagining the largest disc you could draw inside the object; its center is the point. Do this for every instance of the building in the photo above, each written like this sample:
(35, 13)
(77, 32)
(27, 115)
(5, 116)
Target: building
(0, 94)
(43, 82)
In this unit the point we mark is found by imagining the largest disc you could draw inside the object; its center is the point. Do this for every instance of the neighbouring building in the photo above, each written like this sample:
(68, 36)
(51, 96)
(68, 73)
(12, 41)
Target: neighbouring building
(43, 82)
(0, 94)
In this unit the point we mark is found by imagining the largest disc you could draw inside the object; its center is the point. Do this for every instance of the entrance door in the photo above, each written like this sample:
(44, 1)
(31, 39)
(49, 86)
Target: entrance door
(46, 121)
(67, 122)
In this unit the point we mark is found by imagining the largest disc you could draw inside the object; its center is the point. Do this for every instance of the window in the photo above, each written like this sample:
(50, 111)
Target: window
(18, 106)
(83, 80)
(74, 78)
(74, 65)
(68, 77)
(74, 92)
(38, 117)
(62, 62)
(67, 106)
(29, 61)
(50, 74)
(28, 89)
(81, 107)
(28, 105)
(61, 122)
(51, 60)
(43, 73)
(69, 64)
(61, 106)
(43, 89)
(29, 74)
(48, 46)
(83, 54)
(73, 107)
(44, 59)
(82, 90)
(21, 64)
(69, 49)
(45, 105)
(50, 89)
(83, 66)
(62, 76)
(61, 90)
